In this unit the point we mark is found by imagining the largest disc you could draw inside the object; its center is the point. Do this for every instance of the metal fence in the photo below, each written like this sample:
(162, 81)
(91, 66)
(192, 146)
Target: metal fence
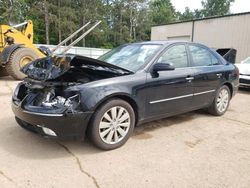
(89, 52)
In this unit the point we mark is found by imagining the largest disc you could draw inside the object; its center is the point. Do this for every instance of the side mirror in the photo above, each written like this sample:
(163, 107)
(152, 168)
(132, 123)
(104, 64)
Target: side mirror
(162, 67)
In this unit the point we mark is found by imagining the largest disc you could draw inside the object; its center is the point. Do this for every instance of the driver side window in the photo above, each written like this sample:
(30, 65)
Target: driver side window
(175, 56)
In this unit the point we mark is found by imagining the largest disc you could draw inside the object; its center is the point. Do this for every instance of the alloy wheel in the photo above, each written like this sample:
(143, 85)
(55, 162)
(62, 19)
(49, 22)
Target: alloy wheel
(114, 125)
(222, 100)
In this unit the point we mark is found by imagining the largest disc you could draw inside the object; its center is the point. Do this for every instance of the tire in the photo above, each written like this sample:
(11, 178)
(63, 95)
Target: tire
(3, 72)
(110, 136)
(223, 97)
(18, 59)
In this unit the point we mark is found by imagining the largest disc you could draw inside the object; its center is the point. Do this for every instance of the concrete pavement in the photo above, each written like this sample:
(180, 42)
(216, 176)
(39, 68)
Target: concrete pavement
(189, 150)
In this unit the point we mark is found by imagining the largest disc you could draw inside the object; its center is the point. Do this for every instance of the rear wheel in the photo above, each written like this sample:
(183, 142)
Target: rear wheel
(18, 59)
(112, 124)
(221, 101)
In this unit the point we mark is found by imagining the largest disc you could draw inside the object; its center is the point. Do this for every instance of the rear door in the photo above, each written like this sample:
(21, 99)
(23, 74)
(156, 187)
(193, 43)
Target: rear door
(208, 74)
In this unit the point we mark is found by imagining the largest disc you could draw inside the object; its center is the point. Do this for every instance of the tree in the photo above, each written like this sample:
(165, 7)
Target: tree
(162, 11)
(187, 15)
(216, 7)
(198, 13)
(209, 8)
(12, 11)
(42, 15)
(45, 10)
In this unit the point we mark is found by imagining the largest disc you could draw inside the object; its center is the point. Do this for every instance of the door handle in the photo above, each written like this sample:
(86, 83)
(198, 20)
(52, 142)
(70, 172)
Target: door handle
(189, 78)
(219, 75)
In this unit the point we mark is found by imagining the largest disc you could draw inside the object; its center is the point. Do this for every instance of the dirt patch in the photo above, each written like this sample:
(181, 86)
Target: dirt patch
(142, 136)
(192, 144)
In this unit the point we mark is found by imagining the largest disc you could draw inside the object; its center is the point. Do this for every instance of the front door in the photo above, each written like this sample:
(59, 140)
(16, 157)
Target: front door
(170, 91)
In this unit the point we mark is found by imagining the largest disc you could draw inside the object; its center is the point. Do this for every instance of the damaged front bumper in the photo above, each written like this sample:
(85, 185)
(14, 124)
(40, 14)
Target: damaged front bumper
(61, 123)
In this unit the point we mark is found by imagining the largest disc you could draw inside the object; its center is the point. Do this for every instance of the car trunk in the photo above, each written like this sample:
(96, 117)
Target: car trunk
(229, 54)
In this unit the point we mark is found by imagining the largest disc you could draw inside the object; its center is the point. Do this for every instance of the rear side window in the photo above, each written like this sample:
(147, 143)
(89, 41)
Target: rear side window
(175, 56)
(202, 57)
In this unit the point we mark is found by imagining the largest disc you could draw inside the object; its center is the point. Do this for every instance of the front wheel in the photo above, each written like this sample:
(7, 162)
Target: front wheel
(112, 124)
(221, 101)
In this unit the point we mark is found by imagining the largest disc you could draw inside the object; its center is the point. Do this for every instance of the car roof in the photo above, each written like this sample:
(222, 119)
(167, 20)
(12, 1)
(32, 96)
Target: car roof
(164, 42)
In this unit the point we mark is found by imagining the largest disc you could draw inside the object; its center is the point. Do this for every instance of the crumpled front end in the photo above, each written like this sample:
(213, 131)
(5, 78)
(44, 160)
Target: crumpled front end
(48, 102)
(49, 109)
(47, 68)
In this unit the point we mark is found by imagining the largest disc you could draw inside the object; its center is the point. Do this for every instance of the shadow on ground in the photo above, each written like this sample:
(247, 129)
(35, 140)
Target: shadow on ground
(24, 144)
(244, 90)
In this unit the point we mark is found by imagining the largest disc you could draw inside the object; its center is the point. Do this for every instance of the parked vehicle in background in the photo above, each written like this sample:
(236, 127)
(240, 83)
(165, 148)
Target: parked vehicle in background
(67, 96)
(17, 48)
(244, 68)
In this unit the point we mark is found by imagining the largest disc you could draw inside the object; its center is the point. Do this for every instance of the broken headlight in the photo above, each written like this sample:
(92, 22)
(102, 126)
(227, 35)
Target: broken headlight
(53, 101)
(20, 92)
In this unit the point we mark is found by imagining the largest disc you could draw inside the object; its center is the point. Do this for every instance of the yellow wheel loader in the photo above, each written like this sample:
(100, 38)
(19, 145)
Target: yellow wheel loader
(17, 49)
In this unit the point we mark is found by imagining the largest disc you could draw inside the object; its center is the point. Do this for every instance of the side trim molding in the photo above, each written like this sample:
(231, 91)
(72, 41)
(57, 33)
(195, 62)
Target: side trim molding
(204, 92)
(183, 96)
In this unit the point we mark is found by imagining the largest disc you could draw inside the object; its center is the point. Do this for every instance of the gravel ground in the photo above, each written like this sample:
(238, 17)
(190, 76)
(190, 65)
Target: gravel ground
(189, 150)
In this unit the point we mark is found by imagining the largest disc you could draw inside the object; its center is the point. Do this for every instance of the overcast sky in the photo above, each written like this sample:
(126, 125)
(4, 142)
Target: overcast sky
(237, 6)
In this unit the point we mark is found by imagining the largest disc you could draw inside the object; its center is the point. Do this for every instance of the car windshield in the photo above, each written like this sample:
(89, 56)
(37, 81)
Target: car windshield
(246, 61)
(131, 57)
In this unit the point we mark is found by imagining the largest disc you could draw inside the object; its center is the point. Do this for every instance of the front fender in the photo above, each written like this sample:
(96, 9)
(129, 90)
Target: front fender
(130, 88)
(91, 98)
(6, 53)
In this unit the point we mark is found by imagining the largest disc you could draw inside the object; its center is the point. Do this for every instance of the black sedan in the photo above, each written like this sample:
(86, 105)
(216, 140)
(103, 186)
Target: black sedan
(69, 96)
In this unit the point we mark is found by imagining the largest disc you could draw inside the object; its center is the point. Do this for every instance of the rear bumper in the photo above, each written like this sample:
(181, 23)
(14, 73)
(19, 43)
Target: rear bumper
(63, 125)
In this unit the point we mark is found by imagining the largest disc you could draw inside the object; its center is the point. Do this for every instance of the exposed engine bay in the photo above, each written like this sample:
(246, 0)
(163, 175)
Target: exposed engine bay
(50, 77)
(47, 98)
(52, 101)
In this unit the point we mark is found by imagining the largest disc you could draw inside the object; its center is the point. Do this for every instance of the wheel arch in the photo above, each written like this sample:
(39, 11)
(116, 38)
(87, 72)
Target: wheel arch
(121, 96)
(124, 97)
(229, 85)
(132, 103)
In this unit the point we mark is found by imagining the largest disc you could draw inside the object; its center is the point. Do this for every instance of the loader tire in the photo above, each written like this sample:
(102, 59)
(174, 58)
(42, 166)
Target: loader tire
(19, 58)
(3, 72)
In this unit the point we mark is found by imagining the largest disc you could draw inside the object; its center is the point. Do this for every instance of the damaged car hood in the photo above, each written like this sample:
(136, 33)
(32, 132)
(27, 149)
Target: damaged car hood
(52, 67)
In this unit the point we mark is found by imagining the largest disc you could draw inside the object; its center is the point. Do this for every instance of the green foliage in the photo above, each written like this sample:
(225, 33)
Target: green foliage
(12, 11)
(162, 11)
(187, 15)
(209, 8)
(216, 7)
(123, 21)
